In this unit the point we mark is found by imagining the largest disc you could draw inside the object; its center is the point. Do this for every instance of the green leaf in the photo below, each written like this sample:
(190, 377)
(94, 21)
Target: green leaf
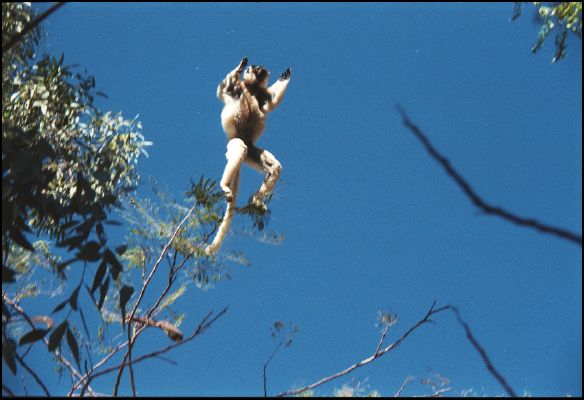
(8, 274)
(72, 242)
(100, 232)
(57, 335)
(33, 336)
(20, 240)
(9, 353)
(121, 249)
(102, 292)
(73, 298)
(90, 252)
(63, 265)
(99, 274)
(115, 267)
(60, 306)
(278, 325)
(72, 342)
(125, 294)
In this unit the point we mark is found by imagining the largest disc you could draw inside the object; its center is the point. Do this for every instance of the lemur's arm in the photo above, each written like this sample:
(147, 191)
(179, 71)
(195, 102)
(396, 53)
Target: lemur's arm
(230, 85)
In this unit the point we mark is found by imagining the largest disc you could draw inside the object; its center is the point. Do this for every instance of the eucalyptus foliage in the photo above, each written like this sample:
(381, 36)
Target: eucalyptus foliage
(564, 17)
(65, 166)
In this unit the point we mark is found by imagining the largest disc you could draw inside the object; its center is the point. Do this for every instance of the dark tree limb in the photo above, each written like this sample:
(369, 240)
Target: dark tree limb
(33, 374)
(476, 199)
(483, 354)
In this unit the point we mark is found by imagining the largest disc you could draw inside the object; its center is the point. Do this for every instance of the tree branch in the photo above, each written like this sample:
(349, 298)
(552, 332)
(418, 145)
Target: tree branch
(401, 388)
(33, 374)
(476, 199)
(369, 359)
(131, 339)
(202, 327)
(266, 366)
(57, 353)
(483, 354)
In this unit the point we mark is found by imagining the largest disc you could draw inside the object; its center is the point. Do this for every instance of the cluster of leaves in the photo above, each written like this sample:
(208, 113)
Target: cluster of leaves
(258, 212)
(153, 221)
(565, 16)
(65, 165)
(284, 333)
(61, 158)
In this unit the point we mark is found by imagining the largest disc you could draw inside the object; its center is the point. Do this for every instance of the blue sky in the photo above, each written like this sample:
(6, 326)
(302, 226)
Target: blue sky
(371, 221)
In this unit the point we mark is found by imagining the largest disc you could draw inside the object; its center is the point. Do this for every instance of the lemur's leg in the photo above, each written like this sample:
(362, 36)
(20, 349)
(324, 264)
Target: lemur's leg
(265, 162)
(226, 222)
(236, 153)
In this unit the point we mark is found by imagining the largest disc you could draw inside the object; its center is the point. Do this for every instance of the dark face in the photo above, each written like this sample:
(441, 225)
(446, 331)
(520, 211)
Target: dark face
(255, 74)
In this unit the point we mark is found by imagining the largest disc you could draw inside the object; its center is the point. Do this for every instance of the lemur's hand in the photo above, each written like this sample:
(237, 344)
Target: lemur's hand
(242, 64)
(285, 75)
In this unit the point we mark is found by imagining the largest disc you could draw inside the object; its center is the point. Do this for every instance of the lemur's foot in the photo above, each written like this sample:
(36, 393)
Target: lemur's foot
(259, 205)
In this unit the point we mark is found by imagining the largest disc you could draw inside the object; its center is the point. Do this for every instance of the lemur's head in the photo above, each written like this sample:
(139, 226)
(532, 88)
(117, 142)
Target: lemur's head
(256, 75)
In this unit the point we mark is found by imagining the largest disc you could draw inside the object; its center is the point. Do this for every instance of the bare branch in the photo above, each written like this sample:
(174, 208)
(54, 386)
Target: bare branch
(131, 339)
(382, 339)
(7, 390)
(401, 388)
(476, 199)
(369, 359)
(483, 354)
(266, 366)
(96, 366)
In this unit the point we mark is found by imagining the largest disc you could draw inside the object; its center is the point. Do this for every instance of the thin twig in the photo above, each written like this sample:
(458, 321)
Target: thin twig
(57, 353)
(18, 37)
(266, 366)
(7, 390)
(382, 338)
(96, 366)
(370, 359)
(140, 297)
(476, 199)
(401, 388)
(483, 354)
(34, 375)
(203, 326)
